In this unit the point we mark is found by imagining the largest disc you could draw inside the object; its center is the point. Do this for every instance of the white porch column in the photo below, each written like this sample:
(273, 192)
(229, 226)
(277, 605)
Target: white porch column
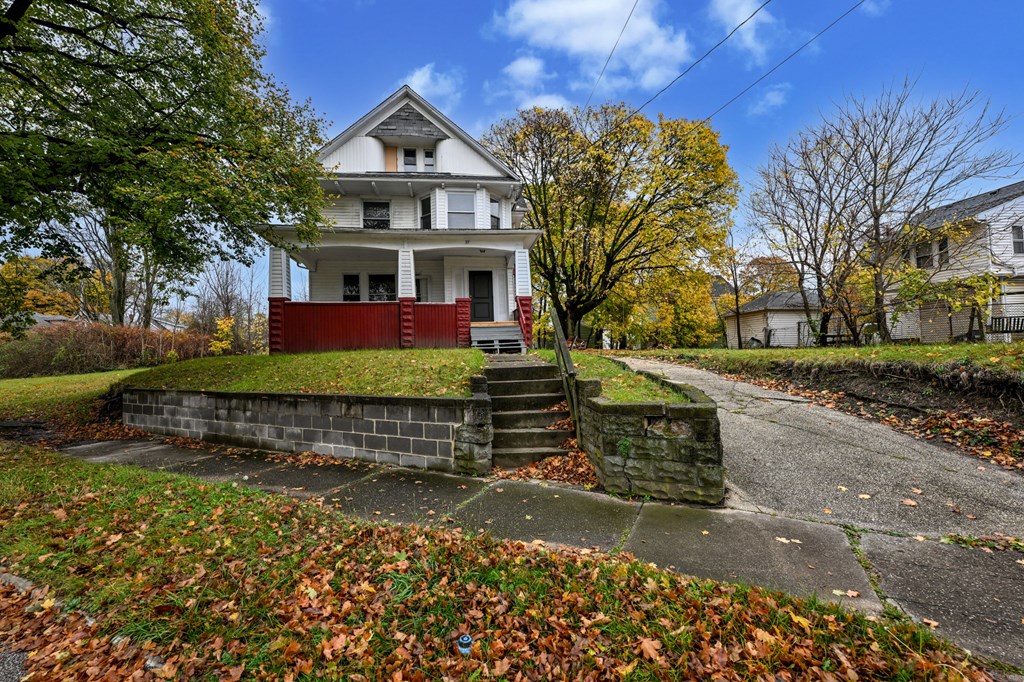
(406, 274)
(280, 273)
(522, 265)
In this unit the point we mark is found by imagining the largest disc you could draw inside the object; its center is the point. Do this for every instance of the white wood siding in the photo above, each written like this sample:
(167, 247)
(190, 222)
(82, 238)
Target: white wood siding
(344, 212)
(521, 265)
(280, 271)
(1001, 220)
(406, 275)
(456, 281)
(325, 284)
(455, 156)
(404, 215)
(483, 210)
(358, 155)
(784, 325)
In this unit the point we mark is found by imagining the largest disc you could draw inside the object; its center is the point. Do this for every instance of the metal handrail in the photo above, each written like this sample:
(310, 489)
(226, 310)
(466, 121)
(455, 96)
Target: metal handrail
(563, 358)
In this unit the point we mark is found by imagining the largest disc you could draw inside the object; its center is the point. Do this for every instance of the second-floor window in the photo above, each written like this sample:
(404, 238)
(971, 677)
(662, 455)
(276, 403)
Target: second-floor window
(1018, 239)
(428, 160)
(924, 255)
(376, 215)
(425, 213)
(943, 251)
(461, 211)
(495, 214)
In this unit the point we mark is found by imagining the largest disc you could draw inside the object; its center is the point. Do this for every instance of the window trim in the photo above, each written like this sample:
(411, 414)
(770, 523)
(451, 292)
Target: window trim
(472, 195)
(363, 218)
(433, 161)
(919, 255)
(430, 202)
(943, 245)
(1017, 243)
(495, 213)
(415, 159)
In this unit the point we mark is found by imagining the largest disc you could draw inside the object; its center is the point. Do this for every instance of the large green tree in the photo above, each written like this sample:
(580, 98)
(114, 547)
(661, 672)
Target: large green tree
(617, 197)
(157, 116)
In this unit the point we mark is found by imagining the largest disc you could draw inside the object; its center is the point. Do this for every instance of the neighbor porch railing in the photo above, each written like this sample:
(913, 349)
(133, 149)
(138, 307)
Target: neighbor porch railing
(563, 358)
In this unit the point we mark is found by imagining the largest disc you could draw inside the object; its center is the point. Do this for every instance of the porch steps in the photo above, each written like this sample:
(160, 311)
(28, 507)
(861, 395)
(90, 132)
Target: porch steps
(522, 391)
(497, 337)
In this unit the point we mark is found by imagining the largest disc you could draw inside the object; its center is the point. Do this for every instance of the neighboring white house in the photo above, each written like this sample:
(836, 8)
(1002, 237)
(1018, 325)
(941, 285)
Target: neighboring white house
(995, 244)
(421, 234)
(776, 320)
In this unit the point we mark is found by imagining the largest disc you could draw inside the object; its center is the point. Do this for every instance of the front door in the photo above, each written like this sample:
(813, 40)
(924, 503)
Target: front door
(481, 290)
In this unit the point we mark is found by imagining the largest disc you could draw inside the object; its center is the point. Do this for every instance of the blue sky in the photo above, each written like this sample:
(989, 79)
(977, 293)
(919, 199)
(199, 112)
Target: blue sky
(479, 61)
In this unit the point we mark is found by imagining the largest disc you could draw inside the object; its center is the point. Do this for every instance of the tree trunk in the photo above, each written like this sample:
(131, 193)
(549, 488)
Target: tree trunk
(823, 322)
(879, 307)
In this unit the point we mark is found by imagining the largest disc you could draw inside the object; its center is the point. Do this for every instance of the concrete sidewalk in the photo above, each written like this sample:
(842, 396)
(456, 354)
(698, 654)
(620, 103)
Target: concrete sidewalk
(977, 598)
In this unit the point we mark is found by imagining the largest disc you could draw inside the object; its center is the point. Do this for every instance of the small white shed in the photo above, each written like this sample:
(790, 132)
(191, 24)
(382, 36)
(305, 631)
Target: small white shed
(772, 320)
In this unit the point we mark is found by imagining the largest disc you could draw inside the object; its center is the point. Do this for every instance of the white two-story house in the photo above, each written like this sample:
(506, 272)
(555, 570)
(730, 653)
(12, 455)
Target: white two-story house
(994, 244)
(422, 246)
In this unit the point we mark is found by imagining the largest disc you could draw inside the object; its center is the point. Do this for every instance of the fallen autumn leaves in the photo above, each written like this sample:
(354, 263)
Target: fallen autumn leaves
(227, 583)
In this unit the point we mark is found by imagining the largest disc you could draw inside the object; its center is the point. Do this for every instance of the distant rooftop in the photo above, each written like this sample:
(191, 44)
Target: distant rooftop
(972, 206)
(779, 300)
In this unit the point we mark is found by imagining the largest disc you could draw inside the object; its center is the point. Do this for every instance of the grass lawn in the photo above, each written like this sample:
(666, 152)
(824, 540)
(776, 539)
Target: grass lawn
(231, 583)
(618, 384)
(69, 398)
(1000, 357)
(413, 372)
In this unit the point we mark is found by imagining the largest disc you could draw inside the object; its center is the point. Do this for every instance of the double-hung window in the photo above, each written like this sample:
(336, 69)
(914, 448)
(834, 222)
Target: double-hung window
(409, 160)
(425, 213)
(461, 210)
(924, 255)
(1018, 239)
(943, 251)
(376, 215)
(428, 160)
(495, 214)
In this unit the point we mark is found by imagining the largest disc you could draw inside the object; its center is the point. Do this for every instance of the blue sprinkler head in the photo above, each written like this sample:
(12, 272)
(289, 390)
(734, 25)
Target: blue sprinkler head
(465, 643)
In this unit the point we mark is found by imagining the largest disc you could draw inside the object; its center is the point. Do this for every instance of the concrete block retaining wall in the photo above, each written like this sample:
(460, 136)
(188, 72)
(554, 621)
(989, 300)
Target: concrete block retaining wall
(666, 451)
(445, 434)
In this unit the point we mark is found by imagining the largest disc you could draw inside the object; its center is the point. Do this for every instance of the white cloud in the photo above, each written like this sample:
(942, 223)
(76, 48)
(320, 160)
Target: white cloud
(875, 8)
(527, 72)
(751, 38)
(545, 101)
(770, 100)
(649, 53)
(443, 90)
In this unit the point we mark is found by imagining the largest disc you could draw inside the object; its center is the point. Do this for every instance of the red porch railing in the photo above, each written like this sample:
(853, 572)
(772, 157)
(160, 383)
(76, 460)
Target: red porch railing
(436, 325)
(299, 327)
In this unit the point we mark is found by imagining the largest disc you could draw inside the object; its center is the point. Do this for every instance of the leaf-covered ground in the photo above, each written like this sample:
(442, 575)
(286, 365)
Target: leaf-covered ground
(410, 372)
(228, 583)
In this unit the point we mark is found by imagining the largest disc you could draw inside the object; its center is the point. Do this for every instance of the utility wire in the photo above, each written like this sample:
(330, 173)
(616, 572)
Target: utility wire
(791, 55)
(608, 61)
(749, 87)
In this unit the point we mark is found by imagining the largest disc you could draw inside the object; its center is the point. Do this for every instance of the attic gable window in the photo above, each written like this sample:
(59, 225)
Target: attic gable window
(428, 160)
(495, 214)
(376, 215)
(409, 160)
(1018, 239)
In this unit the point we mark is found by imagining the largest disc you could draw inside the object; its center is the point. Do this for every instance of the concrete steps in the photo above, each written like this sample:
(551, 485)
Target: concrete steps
(522, 392)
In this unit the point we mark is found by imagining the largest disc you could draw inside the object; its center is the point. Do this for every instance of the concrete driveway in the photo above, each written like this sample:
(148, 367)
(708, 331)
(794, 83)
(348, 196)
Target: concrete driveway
(788, 458)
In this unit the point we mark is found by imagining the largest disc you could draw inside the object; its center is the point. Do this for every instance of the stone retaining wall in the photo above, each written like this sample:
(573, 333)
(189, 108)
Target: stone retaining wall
(667, 451)
(445, 434)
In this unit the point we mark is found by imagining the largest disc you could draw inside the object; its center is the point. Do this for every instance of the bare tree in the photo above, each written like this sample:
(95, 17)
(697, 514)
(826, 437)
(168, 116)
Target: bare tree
(853, 190)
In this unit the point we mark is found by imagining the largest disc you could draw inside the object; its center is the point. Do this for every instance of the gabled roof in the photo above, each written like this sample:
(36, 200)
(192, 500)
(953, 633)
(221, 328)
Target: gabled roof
(971, 207)
(778, 300)
(386, 111)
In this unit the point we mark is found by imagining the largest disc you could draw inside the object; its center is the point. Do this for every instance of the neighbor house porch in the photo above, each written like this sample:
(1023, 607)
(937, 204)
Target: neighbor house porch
(394, 292)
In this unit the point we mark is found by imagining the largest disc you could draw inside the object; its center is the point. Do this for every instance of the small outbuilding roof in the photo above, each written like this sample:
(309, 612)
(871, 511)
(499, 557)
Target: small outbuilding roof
(778, 300)
(972, 206)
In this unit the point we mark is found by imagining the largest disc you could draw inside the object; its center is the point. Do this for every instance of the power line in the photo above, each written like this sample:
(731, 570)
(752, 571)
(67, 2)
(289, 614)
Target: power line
(704, 56)
(790, 56)
(685, 71)
(608, 61)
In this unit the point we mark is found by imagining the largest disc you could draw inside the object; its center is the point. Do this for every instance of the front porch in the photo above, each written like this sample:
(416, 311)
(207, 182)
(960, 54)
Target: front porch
(427, 295)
